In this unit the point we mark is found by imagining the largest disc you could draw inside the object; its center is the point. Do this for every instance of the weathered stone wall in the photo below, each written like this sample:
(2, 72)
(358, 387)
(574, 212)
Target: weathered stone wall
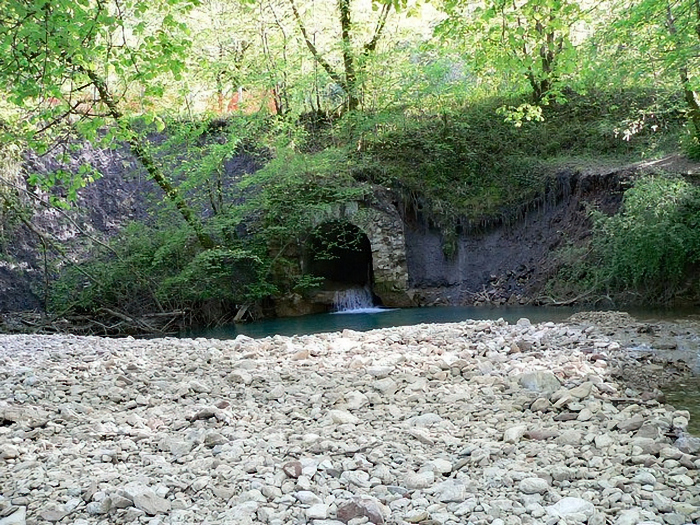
(508, 263)
(384, 227)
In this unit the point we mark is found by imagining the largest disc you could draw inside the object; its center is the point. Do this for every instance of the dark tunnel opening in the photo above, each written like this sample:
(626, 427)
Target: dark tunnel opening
(341, 254)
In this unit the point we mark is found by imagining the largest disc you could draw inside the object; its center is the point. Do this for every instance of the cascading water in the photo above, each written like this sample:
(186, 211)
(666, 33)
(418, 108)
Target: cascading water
(354, 300)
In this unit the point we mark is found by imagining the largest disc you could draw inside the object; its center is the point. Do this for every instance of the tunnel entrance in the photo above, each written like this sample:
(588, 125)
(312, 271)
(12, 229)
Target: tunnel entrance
(341, 254)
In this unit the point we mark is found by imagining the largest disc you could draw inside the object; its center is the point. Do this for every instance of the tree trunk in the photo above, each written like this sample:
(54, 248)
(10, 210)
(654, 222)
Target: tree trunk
(348, 80)
(348, 60)
(691, 97)
(138, 148)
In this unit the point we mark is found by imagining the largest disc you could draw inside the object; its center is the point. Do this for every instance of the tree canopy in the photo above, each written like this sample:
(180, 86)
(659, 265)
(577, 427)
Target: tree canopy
(187, 57)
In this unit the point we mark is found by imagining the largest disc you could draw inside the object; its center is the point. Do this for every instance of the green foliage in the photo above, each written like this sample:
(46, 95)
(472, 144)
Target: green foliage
(650, 247)
(465, 128)
(475, 164)
(530, 40)
(13, 207)
(654, 239)
(150, 269)
(296, 191)
(667, 32)
(219, 274)
(459, 169)
(690, 144)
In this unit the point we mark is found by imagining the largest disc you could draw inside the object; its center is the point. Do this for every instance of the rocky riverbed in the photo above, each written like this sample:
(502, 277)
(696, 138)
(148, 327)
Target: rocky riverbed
(475, 422)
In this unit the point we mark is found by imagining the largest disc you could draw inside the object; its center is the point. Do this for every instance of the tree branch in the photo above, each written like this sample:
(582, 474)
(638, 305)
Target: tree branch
(379, 29)
(315, 53)
(139, 150)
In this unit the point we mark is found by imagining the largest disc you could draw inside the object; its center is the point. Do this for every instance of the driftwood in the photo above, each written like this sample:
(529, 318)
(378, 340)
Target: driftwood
(241, 313)
(550, 301)
(110, 322)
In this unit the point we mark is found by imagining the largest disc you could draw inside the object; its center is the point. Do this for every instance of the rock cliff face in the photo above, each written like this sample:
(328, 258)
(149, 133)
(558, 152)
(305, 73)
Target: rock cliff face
(121, 195)
(510, 261)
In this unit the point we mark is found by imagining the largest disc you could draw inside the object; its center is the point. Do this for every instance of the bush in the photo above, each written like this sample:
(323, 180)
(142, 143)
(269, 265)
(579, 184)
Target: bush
(149, 269)
(650, 248)
(655, 239)
(475, 164)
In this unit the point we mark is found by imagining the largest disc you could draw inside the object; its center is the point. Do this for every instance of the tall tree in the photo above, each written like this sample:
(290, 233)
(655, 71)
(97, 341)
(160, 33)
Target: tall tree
(530, 38)
(72, 65)
(666, 36)
(347, 77)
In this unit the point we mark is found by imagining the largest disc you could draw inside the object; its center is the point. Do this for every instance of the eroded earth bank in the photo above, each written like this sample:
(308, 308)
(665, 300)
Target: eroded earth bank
(474, 422)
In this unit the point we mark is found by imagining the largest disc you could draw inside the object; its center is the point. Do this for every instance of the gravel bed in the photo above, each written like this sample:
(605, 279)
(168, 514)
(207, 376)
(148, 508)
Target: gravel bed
(474, 422)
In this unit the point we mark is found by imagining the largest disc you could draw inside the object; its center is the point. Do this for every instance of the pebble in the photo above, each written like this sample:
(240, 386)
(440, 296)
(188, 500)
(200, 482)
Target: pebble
(539, 381)
(514, 434)
(572, 508)
(18, 517)
(419, 480)
(476, 422)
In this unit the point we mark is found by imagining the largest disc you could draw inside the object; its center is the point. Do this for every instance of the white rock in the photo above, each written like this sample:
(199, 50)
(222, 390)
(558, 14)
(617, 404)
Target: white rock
(533, 485)
(8, 451)
(441, 466)
(318, 511)
(603, 441)
(416, 515)
(240, 376)
(16, 518)
(539, 381)
(662, 503)
(582, 391)
(145, 498)
(380, 372)
(628, 517)
(568, 506)
(425, 420)
(514, 434)
(359, 478)
(453, 490)
(644, 477)
(342, 417)
(355, 400)
(419, 480)
(307, 497)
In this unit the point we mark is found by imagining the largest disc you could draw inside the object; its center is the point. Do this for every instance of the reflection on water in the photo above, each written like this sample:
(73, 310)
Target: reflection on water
(382, 318)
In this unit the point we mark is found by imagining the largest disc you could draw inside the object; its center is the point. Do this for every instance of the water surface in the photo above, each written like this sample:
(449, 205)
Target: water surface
(686, 396)
(383, 318)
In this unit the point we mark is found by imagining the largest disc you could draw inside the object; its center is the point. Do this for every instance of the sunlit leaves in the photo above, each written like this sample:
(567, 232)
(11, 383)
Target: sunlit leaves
(529, 40)
(52, 52)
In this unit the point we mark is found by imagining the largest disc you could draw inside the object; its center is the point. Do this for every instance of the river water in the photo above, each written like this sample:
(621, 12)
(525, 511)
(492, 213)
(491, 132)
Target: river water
(373, 318)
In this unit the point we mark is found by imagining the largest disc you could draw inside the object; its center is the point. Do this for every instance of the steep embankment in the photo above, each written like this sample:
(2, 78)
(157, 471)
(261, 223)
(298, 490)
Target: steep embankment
(505, 261)
(511, 259)
(48, 236)
(37, 239)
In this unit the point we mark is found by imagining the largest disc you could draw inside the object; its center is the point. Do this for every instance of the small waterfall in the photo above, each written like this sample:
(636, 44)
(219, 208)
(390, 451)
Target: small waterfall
(353, 300)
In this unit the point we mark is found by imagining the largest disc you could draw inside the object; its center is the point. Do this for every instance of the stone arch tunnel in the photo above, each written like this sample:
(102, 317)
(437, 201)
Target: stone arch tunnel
(340, 253)
(354, 244)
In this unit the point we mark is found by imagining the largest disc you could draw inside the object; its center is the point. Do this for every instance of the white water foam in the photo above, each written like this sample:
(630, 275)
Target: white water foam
(355, 301)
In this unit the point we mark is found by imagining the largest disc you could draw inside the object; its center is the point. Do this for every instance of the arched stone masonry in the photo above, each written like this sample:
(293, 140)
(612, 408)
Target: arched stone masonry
(384, 228)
